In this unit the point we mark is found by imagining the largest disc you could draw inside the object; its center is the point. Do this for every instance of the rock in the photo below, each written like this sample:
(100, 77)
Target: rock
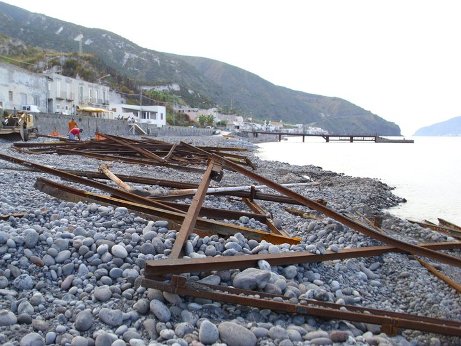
(67, 282)
(23, 282)
(7, 318)
(183, 328)
(111, 317)
(102, 293)
(278, 332)
(339, 335)
(251, 278)
(119, 251)
(160, 310)
(234, 334)
(104, 339)
(25, 308)
(32, 339)
(79, 341)
(84, 320)
(30, 237)
(141, 306)
(208, 332)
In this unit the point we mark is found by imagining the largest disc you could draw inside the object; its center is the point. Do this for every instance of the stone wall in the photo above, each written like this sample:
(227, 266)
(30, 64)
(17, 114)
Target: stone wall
(47, 123)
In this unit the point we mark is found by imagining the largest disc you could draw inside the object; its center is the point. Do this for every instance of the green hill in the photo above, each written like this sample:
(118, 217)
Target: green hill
(200, 81)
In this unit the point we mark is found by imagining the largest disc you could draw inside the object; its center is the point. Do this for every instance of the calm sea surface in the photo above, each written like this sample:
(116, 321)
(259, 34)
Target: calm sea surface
(427, 173)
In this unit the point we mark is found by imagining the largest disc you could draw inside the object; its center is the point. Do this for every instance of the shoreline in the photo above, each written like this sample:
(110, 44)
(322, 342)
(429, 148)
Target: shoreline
(83, 277)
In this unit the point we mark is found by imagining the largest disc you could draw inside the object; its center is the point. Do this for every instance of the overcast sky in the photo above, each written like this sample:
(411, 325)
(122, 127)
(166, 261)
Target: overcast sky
(398, 59)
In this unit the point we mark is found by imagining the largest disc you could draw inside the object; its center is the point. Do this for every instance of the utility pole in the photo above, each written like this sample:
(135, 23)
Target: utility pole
(140, 102)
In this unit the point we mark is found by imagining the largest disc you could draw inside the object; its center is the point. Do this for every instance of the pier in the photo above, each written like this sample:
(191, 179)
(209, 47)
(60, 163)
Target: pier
(332, 137)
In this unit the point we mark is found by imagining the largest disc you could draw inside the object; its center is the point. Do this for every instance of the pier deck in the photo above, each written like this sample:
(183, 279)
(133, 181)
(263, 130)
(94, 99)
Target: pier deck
(332, 137)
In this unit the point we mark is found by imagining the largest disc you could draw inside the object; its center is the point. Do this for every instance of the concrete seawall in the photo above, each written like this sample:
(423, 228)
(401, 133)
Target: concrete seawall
(47, 123)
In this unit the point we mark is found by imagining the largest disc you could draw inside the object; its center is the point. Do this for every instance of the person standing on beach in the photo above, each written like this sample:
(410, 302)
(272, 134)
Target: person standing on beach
(72, 124)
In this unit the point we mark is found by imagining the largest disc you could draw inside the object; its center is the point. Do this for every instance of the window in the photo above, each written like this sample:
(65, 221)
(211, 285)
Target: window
(80, 94)
(10, 96)
(36, 100)
(58, 87)
(144, 115)
(154, 115)
(161, 116)
(23, 98)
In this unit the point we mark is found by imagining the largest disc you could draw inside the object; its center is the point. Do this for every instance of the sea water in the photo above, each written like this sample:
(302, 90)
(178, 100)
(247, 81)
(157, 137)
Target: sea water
(427, 173)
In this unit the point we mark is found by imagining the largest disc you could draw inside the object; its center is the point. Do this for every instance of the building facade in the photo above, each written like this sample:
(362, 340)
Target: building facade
(66, 93)
(19, 87)
(155, 115)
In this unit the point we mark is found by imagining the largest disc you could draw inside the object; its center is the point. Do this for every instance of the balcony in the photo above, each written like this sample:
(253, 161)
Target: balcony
(70, 97)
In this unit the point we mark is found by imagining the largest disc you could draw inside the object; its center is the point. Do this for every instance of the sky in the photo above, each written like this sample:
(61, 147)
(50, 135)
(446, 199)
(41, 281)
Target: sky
(398, 59)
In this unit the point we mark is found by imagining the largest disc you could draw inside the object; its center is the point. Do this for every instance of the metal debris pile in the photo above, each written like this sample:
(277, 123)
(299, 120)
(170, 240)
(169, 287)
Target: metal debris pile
(166, 274)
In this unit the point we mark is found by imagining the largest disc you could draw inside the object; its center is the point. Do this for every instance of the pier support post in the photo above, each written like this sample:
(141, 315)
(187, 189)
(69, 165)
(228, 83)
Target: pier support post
(351, 139)
(303, 138)
(280, 137)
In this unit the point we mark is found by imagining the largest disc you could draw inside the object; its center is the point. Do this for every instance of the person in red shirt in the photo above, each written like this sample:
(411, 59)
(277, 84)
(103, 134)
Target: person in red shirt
(74, 134)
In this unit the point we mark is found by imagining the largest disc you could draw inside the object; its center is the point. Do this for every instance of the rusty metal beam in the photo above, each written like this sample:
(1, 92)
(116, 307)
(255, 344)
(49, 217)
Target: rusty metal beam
(190, 265)
(355, 225)
(204, 225)
(193, 211)
(441, 229)
(440, 275)
(71, 177)
(142, 151)
(391, 321)
(257, 209)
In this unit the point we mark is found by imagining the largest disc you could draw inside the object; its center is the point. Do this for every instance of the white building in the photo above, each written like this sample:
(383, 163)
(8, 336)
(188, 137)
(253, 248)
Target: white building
(20, 87)
(66, 93)
(155, 115)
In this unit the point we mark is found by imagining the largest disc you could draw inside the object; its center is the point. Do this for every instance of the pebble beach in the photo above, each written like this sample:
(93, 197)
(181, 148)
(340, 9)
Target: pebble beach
(70, 272)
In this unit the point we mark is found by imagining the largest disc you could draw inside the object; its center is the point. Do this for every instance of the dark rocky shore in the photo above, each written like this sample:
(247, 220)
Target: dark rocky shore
(69, 272)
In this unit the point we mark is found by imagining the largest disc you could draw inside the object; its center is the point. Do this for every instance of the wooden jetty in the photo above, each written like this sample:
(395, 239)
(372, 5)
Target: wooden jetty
(332, 137)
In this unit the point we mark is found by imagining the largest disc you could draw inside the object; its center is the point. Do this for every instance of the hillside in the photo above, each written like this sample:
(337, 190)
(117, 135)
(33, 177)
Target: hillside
(201, 81)
(451, 127)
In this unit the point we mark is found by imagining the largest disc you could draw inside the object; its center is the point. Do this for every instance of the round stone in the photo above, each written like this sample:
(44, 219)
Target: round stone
(119, 251)
(32, 339)
(23, 282)
(111, 317)
(208, 333)
(30, 237)
(234, 334)
(103, 293)
(160, 310)
(7, 318)
(84, 320)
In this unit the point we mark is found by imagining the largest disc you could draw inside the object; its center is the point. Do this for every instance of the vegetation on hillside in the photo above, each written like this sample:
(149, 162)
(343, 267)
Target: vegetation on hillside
(199, 82)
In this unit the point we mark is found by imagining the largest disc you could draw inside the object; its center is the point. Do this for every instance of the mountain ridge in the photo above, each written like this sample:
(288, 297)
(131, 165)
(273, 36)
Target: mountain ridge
(201, 80)
(450, 127)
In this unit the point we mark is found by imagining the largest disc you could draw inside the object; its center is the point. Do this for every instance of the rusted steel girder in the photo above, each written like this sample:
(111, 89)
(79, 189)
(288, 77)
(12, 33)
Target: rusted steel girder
(207, 226)
(257, 209)
(441, 229)
(390, 321)
(143, 152)
(192, 213)
(68, 176)
(140, 161)
(191, 265)
(440, 275)
(355, 225)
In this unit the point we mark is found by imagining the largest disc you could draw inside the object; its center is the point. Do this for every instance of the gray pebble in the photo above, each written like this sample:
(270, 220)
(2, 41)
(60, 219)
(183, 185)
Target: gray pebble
(32, 339)
(84, 320)
(236, 335)
(208, 332)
